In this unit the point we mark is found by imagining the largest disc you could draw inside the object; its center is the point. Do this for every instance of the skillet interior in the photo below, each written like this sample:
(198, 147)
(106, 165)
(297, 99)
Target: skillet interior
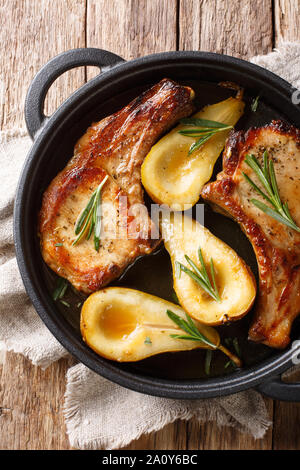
(153, 273)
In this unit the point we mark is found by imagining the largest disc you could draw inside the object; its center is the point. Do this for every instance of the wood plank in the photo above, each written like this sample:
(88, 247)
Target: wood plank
(287, 20)
(286, 434)
(131, 28)
(241, 29)
(32, 32)
(286, 415)
(31, 404)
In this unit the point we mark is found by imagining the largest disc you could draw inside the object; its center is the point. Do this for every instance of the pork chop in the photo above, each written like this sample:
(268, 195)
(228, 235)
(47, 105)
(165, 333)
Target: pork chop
(276, 246)
(115, 148)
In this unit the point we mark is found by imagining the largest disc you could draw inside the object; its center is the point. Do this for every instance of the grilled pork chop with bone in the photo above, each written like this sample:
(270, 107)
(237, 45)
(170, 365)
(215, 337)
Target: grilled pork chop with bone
(276, 246)
(115, 148)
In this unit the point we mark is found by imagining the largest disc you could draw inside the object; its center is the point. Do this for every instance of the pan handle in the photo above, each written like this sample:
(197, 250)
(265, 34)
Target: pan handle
(35, 99)
(279, 390)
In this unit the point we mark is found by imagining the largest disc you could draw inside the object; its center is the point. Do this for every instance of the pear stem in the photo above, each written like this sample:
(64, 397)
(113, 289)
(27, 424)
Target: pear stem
(233, 357)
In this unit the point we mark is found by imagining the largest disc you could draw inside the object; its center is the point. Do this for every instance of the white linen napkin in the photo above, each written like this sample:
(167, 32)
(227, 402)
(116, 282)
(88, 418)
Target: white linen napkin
(98, 413)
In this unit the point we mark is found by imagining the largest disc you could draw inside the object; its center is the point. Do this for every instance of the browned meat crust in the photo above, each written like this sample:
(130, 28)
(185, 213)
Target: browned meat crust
(277, 247)
(115, 146)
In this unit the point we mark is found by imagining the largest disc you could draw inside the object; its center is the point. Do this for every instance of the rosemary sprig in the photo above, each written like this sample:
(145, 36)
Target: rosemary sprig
(200, 275)
(60, 288)
(193, 334)
(189, 327)
(203, 128)
(230, 363)
(236, 346)
(207, 364)
(254, 104)
(90, 218)
(266, 176)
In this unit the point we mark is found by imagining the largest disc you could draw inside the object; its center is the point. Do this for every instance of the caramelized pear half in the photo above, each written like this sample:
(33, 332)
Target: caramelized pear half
(234, 280)
(129, 325)
(173, 177)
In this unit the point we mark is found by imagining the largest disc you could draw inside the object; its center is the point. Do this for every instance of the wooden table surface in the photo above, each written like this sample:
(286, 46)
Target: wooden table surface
(32, 32)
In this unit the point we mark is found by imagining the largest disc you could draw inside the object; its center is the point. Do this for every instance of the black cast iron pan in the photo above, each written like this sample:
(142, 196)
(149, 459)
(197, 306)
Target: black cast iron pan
(176, 375)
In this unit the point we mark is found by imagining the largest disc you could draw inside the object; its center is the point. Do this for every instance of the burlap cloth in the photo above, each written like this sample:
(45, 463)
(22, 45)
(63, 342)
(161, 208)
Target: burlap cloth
(98, 413)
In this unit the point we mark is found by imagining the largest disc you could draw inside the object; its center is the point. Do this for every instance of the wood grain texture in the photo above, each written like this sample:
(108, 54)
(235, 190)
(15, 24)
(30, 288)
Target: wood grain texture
(241, 29)
(287, 20)
(132, 28)
(32, 31)
(286, 434)
(31, 404)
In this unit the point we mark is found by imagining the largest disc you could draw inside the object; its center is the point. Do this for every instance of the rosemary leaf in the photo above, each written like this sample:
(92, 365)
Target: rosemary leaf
(195, 132)
(267, 177)
(89, 220)
(193, 334)
(208, 289)
(274, 182)
(212, 270)
(202, 132)
(82, 217)
(252, 161)
(208, 358)
(190, 328)
(97, 220)
(257, 189)
(84, 228)
(200, 275)
(254, 104)
(202, 123)
(200, 142)
(90, 230)
(190, 338)
(236, 346)
(60, 289)
(180, 322)
(202, 264)
(272, 213)
(205, 130)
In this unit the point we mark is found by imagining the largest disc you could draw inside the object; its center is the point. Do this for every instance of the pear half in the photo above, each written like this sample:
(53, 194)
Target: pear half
(235, 282)
(129, 325)
(173, 177)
